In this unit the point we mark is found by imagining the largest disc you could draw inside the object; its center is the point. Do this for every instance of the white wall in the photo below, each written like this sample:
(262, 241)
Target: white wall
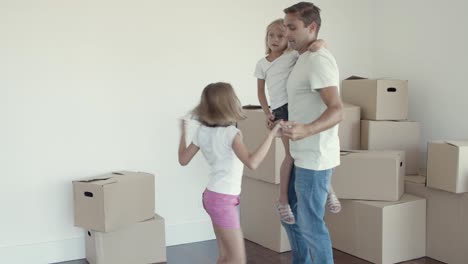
(88, 87)
(422, 41)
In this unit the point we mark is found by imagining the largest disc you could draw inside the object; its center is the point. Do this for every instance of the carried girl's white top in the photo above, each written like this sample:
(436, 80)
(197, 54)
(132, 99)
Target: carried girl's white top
(226, 169)
(275, 74)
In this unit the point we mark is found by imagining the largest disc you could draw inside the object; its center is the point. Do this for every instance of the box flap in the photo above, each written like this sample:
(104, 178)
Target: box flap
(102, 179)
(347, 152)
(457, 143)
(415, 179)
(354, 77)
(381, 204)
(348, 105)
(372, 153)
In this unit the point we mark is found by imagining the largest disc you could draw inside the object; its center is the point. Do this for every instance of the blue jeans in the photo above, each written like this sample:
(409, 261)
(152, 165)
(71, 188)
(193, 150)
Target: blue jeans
(309, 238)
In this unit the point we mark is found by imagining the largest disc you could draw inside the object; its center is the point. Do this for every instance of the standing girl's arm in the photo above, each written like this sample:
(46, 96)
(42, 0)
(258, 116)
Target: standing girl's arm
(252, 160)
(185, 153)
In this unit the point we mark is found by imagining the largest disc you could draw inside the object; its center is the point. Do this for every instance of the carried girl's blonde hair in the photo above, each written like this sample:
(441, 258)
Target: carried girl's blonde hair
(219, 106)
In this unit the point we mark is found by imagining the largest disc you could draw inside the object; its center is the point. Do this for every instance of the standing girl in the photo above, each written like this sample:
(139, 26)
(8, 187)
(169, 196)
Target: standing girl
(221, 144)
(273, 70)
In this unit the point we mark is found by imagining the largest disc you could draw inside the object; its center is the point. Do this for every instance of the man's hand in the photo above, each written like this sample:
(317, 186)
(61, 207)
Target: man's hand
(294, 131)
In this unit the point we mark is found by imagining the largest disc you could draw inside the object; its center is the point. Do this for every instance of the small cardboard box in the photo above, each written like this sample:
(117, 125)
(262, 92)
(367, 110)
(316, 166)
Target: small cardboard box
(447, 166)
(447, 217)
(254, 132)
(370, 175)
(393, 135)
(140, 243)
(380, 232)
(114, 200)
(379, 99)
(349, 130)
(259, 219)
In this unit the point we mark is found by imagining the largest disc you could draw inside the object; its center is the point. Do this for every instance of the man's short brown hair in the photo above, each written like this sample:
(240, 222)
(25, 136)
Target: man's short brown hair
(308, 13)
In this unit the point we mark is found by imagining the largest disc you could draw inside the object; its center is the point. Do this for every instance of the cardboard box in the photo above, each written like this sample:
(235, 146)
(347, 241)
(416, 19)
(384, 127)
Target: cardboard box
(254, 132)
(380, 232)
(114, 200)
(447, 166)
(349, 130)
(393, 135)
(259, 219)
(379, 99)
(370, 175)
(140, 243)
(447, 218)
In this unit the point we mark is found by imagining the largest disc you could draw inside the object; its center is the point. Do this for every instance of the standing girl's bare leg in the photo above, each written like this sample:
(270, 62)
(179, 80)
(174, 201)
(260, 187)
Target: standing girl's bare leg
(231, 245)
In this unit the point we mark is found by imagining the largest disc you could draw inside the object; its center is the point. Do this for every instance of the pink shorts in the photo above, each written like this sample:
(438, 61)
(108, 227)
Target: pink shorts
(222, 208)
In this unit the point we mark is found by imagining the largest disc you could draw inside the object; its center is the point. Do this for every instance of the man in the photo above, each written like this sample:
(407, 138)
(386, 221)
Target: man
(315, 109)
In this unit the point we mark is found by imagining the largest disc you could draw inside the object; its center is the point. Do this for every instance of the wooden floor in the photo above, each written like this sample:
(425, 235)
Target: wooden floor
(206, 253)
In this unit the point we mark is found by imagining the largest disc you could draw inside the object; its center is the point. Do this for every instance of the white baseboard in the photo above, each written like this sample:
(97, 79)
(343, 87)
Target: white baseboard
(189, 232)
(44, 253)
(71, 249)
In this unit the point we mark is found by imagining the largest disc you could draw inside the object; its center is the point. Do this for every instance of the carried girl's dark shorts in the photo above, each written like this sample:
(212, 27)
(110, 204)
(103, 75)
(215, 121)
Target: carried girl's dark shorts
(281, 113)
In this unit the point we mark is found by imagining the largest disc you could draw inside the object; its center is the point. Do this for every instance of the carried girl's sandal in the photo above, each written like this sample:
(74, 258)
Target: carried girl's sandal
(334, 205)
(285, 213)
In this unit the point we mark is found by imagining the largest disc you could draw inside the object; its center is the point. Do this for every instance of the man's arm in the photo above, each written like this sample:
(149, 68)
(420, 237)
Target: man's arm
(332, 116)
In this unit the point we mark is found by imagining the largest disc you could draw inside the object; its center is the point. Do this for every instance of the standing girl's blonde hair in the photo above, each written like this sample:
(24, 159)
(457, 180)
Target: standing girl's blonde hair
(222, 146)
(219, 105)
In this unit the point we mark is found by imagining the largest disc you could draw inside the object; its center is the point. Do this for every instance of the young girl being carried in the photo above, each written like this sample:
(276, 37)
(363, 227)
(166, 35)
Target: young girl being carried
(273, 71)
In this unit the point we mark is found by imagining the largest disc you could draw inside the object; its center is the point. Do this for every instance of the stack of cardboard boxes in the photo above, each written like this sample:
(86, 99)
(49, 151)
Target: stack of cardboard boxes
(378, 222)
(447, 200)
(260, 188)
(117, 212)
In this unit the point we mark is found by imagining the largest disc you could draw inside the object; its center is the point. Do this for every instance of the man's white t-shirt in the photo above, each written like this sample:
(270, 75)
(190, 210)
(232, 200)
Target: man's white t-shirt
(225, 167)
(275, 74)
(313, 71)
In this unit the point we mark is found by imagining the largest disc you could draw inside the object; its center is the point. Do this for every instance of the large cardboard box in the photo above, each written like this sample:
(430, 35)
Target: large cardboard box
(349, 130)
(379, 99)
(380, 232)
(254, 132)
(447, 166)
(259, 219)
(447, 218)
(370, 175)
(114, 200)
(140, 243)
(393, 135)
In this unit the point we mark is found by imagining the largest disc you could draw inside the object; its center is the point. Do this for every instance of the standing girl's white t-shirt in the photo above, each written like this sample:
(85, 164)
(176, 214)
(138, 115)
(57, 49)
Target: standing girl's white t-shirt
(275, 74)
(226, 169)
